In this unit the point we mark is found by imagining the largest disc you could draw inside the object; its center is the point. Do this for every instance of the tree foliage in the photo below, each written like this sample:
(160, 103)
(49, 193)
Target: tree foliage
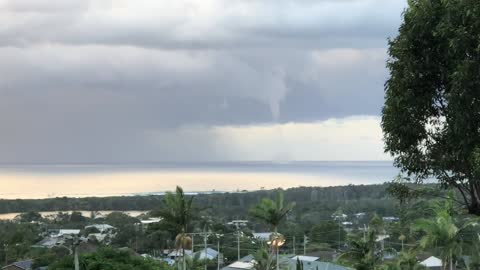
(177, 210)
(327, 232)
(272, 212)
(109, 259)
(361, 253)
(443, 232)
(431, 117)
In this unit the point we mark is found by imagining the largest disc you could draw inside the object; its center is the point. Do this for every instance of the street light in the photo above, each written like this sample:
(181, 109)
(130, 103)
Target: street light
(276, 241)
(218, 236)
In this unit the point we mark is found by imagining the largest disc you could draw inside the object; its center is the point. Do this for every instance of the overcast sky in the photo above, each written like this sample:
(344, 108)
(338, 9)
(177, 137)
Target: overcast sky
(182, 80)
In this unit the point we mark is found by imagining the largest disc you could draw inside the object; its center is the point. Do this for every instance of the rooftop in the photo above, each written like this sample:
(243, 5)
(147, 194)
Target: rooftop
(305, 258)
(24, 265)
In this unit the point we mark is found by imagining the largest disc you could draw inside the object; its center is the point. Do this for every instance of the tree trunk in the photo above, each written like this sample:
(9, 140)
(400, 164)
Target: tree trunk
(183, 258)
(474, 204)
(75, 260)
(451, 260)
(474, 207)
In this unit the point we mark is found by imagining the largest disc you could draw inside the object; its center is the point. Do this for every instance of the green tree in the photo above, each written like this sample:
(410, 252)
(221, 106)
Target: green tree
(263, 260)
(108, 259)
(327, 232)
(127, 233)
(361, 252)
(432, 97)
(77, 217)
(443, 233)
(408, 261)
(30, 216)
(272, 212)
(177, 212)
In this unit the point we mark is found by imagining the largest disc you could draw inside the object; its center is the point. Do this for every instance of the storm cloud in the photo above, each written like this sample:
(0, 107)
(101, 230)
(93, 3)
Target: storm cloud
(138, 81)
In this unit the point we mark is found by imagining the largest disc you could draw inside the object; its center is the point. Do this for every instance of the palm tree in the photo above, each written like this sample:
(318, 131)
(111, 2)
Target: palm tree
(361, 252)
(404, 261)
(194, 262)
(263, 260)
(443, 231)
(177, 213)
(408, 261)
(272, 213)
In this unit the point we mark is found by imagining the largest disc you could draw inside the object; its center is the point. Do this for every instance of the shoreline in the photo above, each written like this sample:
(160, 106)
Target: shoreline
(143, 203)
(86, 213)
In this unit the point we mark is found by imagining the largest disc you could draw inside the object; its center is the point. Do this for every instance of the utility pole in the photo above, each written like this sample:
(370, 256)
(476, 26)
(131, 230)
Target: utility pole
(205, 247)
(5, 248)
(193, 243)
(238, 244)
(364, 233)
(339, 227)
(75, 251)
(305, 241)
(218, 254)
(277, 247)
(294, 252)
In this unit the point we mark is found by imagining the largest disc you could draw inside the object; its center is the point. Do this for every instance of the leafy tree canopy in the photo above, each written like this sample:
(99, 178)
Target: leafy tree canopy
(109, 259)
(431, 116)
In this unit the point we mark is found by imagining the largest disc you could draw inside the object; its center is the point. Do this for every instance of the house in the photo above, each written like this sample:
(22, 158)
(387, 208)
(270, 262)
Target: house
(178, 253)
(238, 223)
(314, 265)
(339, 216)
(208, 254)
(23, 265)
(49, 242)
(263, 236)
(150, 221)
(432, 263)
(390, 219)
(102, 228)
(146, 222)
(245, 263)
(56, 238)
(106, 232)
(360, 215)
(64, 232)
(305, 258)
(290, 263)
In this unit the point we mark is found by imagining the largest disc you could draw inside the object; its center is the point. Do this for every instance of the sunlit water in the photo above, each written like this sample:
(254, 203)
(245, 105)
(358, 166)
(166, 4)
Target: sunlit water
(44, 181)
(52, 214)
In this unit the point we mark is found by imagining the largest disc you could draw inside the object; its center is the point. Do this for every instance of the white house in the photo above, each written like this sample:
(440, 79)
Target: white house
(432, 263)
(360, 215)
(245, 263)
(102, 228)
(150, 221)
(238, 223)
(209, 254)
(339, 216)
(305, 258)
(178, 253)
(263, 236)
(64, 232)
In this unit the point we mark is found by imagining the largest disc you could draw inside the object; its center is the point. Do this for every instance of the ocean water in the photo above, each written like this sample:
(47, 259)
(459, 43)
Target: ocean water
(43, 181)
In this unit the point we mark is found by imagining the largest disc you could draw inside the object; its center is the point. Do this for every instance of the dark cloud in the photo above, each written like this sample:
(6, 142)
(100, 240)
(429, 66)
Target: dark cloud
(201, 25)
(116, 81)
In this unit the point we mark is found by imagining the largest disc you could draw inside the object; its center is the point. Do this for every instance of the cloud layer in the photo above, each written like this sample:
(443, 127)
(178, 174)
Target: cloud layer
(123, 81)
